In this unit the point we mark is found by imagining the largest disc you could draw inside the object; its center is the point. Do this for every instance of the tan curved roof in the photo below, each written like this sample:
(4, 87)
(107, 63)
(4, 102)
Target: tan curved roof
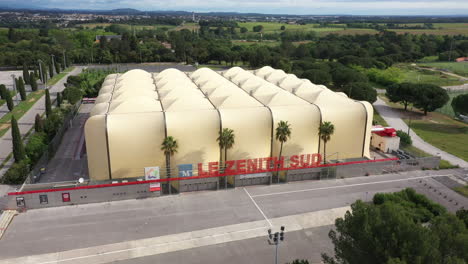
(136, 110)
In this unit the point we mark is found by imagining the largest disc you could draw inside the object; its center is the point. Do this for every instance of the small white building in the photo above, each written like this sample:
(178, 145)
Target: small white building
(385, 139)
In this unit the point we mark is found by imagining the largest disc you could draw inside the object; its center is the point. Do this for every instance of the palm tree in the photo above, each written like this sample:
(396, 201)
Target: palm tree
(226, 141)
(283, 133)
(169, 146)
(325, 131)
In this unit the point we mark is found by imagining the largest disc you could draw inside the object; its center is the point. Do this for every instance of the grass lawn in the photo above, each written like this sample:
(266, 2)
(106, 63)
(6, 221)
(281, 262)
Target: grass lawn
(378, 120)
(462, 190)
(411, 74)
(59, 76)
(437, 129)
(460, 68)
(19, 110)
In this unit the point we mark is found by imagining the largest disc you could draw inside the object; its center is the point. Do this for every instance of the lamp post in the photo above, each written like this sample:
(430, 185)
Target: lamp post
(275, 239)
(53, 61)
(409, 120)
(14, 87)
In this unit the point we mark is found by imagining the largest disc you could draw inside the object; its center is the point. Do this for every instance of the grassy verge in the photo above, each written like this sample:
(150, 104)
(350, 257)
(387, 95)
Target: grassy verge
(420, 153)
(447, 108)
(19, 110)
(59, 76)
(455, 67)
(378, 120)
(462, 190)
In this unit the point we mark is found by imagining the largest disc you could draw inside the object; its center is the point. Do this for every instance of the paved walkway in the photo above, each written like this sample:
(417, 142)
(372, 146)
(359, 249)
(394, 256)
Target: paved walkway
(393, 119)
(26, 122)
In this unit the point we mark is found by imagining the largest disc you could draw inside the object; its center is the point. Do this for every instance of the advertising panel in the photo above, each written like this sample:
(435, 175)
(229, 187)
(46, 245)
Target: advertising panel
(185, 170)
(152, 173)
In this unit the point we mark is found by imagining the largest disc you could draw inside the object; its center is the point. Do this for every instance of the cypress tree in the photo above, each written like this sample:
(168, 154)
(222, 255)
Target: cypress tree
(3, 91)
(36, 72)
(48, 104)
(21, 89)
(59, 99)
(18, 148)
(51, 70)
(38, 124)
(33, 82)
(9, 101)
(26, 73)
(57, 67)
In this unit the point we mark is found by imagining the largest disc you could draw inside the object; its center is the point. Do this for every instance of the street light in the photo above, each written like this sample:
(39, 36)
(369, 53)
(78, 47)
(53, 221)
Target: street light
(275, 239)
(409, 120)
(14, 87)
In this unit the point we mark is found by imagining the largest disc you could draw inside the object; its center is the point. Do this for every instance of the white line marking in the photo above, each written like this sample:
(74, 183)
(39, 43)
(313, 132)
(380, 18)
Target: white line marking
(149, 246)
(258, 207)
(345, 186)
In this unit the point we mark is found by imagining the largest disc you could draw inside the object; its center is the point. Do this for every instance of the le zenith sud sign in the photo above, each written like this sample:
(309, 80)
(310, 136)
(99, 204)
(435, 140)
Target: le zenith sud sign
(260, 165)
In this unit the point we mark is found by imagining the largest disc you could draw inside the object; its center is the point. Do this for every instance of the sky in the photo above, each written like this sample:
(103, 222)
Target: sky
(295, 7)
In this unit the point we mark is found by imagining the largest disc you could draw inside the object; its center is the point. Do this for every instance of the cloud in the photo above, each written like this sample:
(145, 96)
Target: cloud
(356, 7)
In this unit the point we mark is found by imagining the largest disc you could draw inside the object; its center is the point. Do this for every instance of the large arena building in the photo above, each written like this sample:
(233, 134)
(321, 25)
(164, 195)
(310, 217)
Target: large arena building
(137, 110)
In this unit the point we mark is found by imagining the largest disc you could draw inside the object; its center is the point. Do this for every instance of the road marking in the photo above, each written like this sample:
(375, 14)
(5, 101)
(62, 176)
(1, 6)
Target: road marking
(146, 247)
(345, 186)
(258, 207)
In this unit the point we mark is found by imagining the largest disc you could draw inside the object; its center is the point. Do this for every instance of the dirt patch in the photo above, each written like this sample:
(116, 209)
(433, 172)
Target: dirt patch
(4, 126)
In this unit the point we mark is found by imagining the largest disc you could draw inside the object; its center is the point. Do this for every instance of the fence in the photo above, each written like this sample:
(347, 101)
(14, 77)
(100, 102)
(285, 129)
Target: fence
(35, 174)
(68, 193)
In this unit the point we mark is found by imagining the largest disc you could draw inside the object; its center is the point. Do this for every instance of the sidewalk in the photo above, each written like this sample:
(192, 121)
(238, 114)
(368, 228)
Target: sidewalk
(26, 122)
(394, 120)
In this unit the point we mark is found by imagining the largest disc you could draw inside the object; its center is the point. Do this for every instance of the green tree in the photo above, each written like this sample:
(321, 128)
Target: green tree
(317, 76)
(33, 82)
(59, 99)
(226, 140)
(404, 93)
(48, 103)
(8, 99)
(325, 131)
(38, 124)
(258, 28)
(283, 28)
(402, 227)
(283, 133)
(36, 146)
(21, 89)
(26, 73)
(430, 97)
(3, 91)
(170, 147)
(57, 67)
(361, 91)
(243, 30)
(405, 139)
(18, 148)
(460, 104)
(51, 70)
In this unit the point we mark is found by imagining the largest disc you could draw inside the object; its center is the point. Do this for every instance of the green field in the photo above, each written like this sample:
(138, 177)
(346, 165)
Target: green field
(443, 132)
(129, 27)
(275, 27)
(411, 74)
(460, 68)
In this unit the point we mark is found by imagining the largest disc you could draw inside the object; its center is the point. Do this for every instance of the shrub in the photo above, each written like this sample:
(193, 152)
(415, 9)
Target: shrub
(36, 146)
(17, 173)
(405, 139)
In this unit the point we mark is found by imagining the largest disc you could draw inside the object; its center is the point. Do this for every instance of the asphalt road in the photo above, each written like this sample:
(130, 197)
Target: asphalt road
(94, 227)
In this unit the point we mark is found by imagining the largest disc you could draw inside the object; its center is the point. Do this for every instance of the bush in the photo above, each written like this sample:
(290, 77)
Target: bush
(53, 123)
(36, 146)
(17, 173)
(405, 139)
(72, 94)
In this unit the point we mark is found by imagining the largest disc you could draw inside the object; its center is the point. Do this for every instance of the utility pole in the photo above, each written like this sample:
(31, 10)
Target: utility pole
(275, 239)
(409, 120)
